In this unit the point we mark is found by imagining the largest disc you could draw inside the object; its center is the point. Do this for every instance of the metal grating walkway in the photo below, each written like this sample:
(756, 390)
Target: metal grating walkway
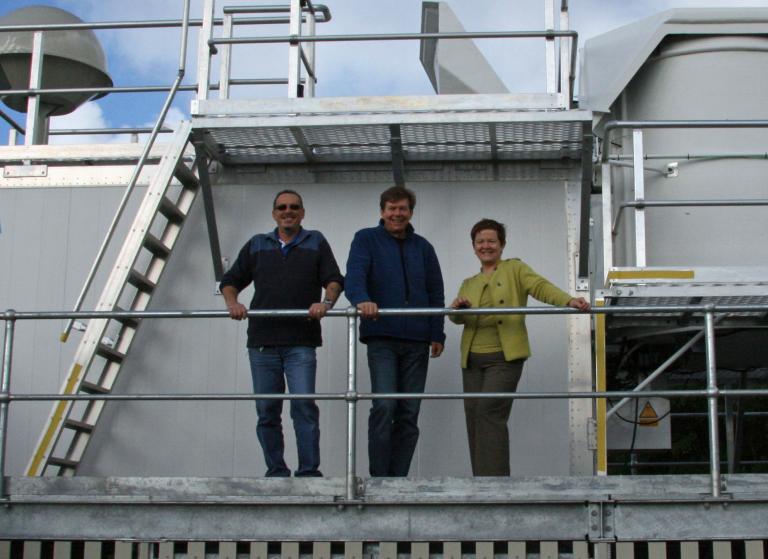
(344, 130)
(420, 142)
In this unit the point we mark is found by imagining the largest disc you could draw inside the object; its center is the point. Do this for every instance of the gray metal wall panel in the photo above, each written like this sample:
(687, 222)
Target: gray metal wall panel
(48, 241)
(218, 438)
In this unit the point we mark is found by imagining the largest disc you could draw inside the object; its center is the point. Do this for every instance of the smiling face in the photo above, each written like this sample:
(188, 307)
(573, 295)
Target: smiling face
(397, 215)
(487, 247)
(288, 213)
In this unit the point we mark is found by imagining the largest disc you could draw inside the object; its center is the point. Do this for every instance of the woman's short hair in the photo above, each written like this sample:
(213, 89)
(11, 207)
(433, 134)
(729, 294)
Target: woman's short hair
(492, 225)
(397, 193)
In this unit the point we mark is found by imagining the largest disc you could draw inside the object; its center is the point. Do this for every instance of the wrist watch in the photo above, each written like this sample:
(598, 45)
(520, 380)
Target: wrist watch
(328, 302)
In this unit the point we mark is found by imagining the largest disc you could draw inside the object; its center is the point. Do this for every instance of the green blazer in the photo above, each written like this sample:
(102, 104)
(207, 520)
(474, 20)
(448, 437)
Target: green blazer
(510, 285)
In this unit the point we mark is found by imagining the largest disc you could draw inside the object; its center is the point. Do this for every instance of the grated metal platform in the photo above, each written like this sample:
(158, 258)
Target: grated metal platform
(668, 287)
(358, 129)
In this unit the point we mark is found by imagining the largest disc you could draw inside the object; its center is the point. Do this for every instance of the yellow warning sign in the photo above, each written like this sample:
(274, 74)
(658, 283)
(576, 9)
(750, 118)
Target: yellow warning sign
(648, 416)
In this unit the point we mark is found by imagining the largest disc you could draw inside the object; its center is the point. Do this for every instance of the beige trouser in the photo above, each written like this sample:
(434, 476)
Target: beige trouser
(487, 418)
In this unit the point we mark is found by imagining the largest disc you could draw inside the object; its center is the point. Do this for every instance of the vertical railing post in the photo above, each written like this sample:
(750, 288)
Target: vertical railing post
(712, 395)
(225, 59)
(294, 50)
(639, 196)
(309, 51)
(204, 51)
(607, 198)
(352, 404)
(5, 391)
(36, 131)
(566, 45)
(549, 52)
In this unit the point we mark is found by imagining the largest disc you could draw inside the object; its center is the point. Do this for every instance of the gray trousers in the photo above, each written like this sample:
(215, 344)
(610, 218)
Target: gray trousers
(487, 418)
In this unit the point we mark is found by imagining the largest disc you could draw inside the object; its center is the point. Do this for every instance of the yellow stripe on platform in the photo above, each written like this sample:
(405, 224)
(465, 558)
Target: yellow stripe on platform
(650, 274)
(56, 418)
(600, 384)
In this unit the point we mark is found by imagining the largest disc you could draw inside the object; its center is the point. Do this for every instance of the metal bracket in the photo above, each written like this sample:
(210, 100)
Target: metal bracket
(600, 516)
(24, 171)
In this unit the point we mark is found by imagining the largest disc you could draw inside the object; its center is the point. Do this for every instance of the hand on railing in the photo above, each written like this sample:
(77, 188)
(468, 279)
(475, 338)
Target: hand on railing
(368, 310)
(579, 303)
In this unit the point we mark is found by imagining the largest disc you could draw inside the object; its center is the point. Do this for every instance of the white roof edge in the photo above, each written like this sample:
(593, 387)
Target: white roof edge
(611, 60)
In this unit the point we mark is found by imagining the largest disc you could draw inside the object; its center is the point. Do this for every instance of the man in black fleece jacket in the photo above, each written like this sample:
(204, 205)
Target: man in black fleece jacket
(288, 267)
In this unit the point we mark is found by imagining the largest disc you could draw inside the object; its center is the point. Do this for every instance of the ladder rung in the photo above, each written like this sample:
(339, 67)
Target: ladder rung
(156, 246)
(140, 281)
(62, 462)
(91, 388)
(171, 211)
(80, 426)
(109, 353)
(128, 322)
(185, 176)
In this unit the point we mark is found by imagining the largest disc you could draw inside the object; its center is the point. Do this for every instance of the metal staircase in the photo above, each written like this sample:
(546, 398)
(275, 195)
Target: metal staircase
(105, 343)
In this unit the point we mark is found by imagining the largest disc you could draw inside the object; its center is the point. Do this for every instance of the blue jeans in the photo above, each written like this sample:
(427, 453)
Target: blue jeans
(393, 431)
(270, 368)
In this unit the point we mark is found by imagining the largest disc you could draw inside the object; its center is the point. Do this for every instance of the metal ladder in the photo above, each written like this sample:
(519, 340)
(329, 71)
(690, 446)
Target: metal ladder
(131, 282)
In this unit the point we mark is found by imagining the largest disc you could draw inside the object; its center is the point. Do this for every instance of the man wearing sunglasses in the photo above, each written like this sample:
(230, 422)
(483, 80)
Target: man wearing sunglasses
(288, 268)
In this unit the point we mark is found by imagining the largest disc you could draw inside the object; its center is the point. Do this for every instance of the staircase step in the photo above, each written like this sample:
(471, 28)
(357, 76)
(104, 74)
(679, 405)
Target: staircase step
(185, 176)
(91, 388)
(62, 462)
(171, 211)
(109, 353)
(156, 246)
(128, 322)
(80, 426)
(140, 281)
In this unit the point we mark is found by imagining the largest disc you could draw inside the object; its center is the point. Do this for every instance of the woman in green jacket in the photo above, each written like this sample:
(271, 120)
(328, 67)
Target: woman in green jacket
(494, 347)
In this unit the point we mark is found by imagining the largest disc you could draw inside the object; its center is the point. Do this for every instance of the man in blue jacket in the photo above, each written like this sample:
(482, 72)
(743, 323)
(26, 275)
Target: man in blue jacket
(288, 268)
(390, 266)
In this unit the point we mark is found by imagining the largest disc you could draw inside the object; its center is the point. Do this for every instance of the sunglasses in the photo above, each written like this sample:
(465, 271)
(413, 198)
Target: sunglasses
(283, 207)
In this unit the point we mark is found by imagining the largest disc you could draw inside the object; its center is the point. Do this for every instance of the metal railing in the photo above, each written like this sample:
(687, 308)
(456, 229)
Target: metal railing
(712, 393)
(184, 23)
(638, 201)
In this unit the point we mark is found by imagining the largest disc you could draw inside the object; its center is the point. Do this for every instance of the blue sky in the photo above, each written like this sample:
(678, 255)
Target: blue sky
(150, 57)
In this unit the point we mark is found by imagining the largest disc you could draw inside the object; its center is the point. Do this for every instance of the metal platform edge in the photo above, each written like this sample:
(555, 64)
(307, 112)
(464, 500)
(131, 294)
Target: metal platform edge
(595, 509)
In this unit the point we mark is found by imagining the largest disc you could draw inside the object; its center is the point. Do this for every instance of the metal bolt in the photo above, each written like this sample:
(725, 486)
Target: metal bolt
(594, 527)
(594, 512)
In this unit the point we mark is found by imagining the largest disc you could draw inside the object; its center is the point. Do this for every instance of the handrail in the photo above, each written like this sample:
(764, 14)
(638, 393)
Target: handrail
(612, 125)
(292, 39)
(137, 170)
(609, 221)
(712, 392)
(641, 204)
(312, 8)
(150, 23)
(138, 88)
(437, 311)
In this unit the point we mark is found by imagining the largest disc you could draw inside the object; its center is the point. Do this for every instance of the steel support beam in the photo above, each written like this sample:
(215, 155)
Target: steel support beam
(396, 145)
(210, 213)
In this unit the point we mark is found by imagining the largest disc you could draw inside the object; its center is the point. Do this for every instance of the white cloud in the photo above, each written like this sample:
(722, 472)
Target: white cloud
(89, 115)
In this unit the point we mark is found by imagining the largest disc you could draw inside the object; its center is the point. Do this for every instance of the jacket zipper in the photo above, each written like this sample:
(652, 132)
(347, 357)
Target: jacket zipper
(405, 276)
